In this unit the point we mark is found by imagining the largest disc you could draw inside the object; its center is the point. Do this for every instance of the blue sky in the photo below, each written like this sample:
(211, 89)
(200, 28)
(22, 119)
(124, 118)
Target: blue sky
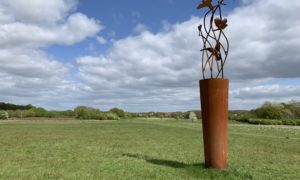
(119, 19)
(143, 55)
(122, 16)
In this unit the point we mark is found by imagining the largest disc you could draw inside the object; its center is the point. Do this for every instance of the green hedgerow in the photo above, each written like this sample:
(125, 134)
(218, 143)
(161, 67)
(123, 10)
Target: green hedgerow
(3, 115)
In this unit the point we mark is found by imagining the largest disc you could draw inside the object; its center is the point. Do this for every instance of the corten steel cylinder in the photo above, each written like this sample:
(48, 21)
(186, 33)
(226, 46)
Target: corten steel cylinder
(214, 108)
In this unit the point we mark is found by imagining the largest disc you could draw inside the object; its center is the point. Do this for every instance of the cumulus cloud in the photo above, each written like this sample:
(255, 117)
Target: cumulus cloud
(101, 40)
(29, 63)
(251, 96)
(147, 71)
(139, 28)
(35, 11)
(74, 29)
(163, 68)
(40, 23)
(28, 74)
(265, 38)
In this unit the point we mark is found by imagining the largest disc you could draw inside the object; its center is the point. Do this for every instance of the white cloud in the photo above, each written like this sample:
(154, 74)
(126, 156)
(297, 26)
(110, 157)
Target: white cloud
(29, 63)
(251, 96)
(267, 91)
(101, 40)
(40, 23)
(264, 39)
(31, 75)
(139, 28)
(148, 71)
(36, 11)
(28, 74)
(166, 26)
(75, 28)
(163, 69)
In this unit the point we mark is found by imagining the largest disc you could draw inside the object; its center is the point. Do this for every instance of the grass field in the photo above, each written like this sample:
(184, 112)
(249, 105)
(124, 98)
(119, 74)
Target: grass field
(141, 149)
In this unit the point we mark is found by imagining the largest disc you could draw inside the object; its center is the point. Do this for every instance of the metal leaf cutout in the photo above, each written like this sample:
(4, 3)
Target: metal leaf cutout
(217, 51)
(221, 24)
(215, 43)
(206, 3)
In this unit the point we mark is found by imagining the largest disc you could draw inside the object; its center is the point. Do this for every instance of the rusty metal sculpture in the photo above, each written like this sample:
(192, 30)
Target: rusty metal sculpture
(213, 36)
(214, 90)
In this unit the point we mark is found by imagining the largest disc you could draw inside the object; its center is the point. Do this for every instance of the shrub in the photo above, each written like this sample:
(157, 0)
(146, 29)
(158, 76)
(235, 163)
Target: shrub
(83, 112)
(38, 112)
(287, 113)
(294, 107)
(60, 114)
(271, 122)
(254, 121)
(193, 116)
(240, 115)
(197, 113)
(265, 121)
(129, 115)
(3, 115)
(289, 122)
(177, 115)
(269, 111)
(111, 116)
(118, 112)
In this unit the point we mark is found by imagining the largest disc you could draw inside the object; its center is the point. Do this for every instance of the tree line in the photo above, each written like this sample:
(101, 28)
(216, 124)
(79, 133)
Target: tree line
(287, 113)
(8, 106)
(84, 112)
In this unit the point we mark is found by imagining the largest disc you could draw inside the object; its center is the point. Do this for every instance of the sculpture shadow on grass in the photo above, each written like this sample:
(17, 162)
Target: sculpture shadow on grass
(163, 162)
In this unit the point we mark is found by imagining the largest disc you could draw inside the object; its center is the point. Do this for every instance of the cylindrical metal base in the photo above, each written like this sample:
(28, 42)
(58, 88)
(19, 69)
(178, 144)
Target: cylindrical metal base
(214, 108)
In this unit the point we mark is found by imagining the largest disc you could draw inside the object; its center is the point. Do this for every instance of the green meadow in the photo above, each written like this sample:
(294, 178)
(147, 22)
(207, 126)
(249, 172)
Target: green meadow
(142, 149)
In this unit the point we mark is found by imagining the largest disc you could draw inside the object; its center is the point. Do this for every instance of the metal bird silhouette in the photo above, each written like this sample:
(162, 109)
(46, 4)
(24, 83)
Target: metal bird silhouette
(215, 51)
(206, 3)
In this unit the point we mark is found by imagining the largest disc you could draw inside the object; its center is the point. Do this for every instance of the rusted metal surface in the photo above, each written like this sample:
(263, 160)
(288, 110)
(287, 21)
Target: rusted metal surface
(214, 107)
(215, 43)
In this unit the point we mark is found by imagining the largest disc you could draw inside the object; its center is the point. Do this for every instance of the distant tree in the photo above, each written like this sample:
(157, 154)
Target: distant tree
(111, 116)
(294, 107)
(287, 113)
(193, 116)
(129, 115)
(82, 112)
(8, 106)
(177, 115)
(3, 115)
(119, 112)
(269, 111)
(198, 114)
(39, 112)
